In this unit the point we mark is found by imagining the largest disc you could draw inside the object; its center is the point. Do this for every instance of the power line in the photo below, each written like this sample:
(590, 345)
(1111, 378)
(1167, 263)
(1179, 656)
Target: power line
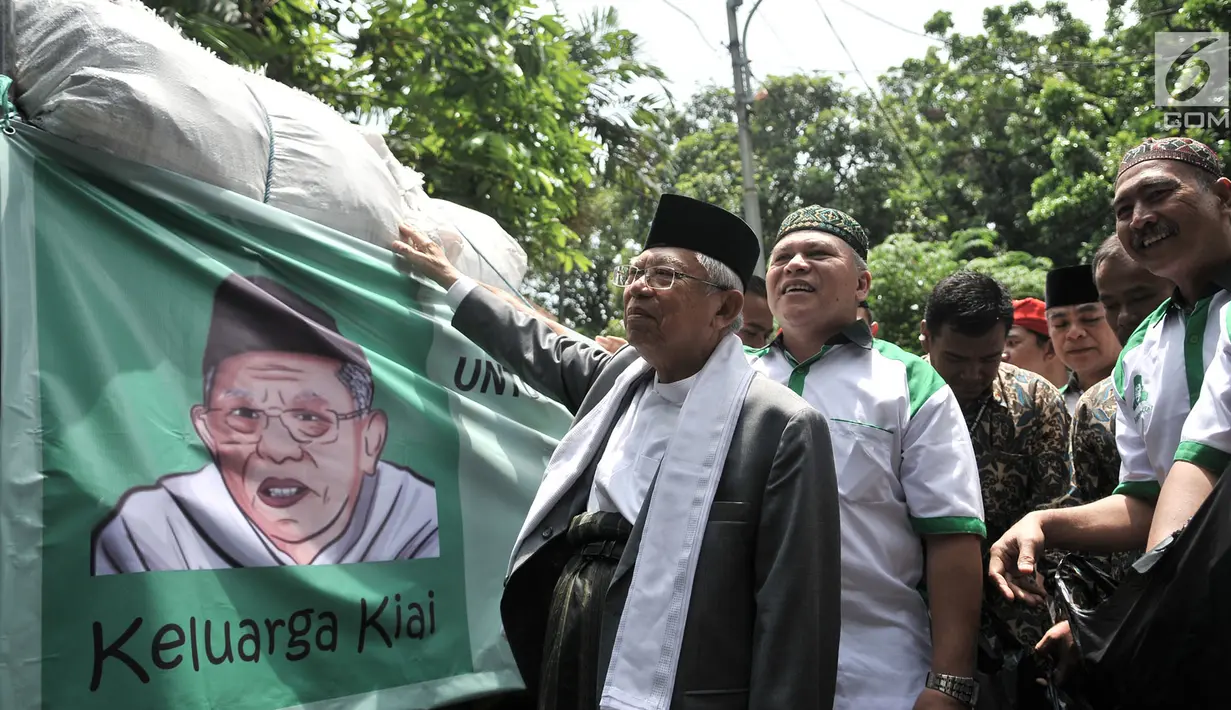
(893, 126)
(697, 25)
(1139, 59)
(781, 42)
(892, 24)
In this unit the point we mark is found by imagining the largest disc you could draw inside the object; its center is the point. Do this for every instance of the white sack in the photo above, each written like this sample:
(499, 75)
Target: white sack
(323, 169)
(112, 75)
(461, 231)
(503, 261)
(117, 78)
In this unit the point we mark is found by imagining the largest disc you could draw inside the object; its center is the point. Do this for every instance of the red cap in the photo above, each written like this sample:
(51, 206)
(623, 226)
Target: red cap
(1031, 314)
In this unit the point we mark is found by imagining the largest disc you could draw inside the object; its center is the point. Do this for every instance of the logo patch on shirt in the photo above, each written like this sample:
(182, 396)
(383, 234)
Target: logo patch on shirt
(1140, 399)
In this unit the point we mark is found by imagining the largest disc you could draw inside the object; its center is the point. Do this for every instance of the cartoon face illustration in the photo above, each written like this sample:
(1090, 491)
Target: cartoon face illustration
(295, 475)
(293, 438)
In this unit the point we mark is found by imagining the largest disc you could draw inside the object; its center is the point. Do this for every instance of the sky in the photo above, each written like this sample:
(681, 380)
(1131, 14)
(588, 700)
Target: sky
(792, 36)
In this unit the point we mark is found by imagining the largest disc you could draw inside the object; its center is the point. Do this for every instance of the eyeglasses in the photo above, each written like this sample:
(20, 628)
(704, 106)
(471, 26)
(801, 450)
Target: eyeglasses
(659, 278)
(247, 425)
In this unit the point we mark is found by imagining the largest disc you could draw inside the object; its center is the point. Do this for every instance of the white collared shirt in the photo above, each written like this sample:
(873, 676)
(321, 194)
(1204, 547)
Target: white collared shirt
(1157, 379)
(1072, 392)
(906, 468)
(1206, 438)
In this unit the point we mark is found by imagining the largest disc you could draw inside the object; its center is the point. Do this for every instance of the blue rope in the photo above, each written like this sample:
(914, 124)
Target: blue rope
(269, 127)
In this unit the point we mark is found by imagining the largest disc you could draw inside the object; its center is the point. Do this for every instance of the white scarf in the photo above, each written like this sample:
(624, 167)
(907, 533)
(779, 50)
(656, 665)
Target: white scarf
(641, 675)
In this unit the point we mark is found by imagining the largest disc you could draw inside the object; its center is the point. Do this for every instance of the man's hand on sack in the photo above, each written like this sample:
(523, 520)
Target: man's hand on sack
(1012, 564)
(1058, 644)
(426, 256)
(611, 343)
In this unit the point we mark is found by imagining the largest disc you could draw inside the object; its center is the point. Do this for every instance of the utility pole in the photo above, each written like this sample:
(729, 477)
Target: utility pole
(739, 66)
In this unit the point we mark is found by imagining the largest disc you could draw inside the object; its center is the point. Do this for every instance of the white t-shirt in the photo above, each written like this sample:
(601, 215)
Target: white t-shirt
(636, 448)
(1157, 380)
(905, 468)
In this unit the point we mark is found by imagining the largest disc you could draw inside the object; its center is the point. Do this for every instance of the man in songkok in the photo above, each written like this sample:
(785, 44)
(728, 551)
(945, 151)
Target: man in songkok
(1173, 216)
(1129, 294)
(907, 475)
(1029, 344)
(683, 547)
(1077, 324)
(295, 476)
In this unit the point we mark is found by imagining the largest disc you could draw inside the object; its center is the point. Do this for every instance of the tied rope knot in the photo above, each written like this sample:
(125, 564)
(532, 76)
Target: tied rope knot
(7, 111)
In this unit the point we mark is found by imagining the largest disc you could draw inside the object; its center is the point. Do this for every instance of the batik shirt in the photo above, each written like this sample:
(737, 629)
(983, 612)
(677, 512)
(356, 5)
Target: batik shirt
(1096, 462)
(1096, 473)
(1020, 432)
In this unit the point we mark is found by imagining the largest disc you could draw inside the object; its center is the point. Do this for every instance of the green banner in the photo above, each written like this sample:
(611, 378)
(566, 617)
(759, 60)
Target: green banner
(245, 462)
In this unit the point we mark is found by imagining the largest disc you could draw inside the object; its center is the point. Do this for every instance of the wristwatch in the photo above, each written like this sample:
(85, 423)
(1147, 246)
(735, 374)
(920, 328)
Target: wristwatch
(964, 690)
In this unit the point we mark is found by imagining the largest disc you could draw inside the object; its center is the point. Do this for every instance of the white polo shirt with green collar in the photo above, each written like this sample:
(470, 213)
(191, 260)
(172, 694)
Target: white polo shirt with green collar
(1206, 437)
(1158, 379)
(906, 468)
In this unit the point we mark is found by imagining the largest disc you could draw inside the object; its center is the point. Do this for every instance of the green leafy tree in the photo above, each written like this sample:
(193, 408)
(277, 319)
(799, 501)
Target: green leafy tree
(1022, 130)
(984, 117)
(906, 269)
(485, 100)
(813, 145)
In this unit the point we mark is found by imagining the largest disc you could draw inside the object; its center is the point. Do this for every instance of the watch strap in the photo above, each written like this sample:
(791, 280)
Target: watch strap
(964, 690)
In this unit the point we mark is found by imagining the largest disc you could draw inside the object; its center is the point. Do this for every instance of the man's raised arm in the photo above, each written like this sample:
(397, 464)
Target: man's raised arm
(560, 367)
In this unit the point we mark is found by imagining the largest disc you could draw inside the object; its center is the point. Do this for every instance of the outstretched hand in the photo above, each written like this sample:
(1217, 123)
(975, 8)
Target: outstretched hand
(1012, 564)
(425, 256)
(611, 343)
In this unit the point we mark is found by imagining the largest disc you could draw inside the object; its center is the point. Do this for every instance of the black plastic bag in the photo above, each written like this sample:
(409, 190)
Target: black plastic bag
(1082, 582)
(1163, 639)
(1009, 673)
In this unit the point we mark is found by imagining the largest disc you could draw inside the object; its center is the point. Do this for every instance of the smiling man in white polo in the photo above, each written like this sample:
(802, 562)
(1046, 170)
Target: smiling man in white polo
(907, 477)
(1173, 216)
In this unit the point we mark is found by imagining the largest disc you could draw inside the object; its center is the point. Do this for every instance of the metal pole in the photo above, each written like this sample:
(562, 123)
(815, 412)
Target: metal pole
(752, 206)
